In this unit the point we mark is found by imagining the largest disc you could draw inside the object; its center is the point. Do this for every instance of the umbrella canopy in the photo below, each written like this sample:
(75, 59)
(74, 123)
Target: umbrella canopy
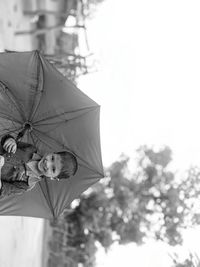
(59, 117)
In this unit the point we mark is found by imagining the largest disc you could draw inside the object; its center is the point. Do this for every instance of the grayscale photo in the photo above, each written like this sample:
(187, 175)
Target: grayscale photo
(99, 133)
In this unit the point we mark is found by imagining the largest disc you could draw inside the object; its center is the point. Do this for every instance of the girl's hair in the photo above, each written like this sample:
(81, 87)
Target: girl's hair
(69, 165)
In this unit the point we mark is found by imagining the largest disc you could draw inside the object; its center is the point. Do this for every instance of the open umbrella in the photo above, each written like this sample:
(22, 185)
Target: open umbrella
(54, 115)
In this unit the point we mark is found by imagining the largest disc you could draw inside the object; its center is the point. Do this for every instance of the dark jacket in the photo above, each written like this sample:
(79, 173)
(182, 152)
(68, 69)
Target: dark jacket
(13, 173)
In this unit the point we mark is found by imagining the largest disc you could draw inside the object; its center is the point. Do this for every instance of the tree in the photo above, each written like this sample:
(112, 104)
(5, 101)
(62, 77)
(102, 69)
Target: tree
(152, 202)
(72, 66)
(191, 261)
(76, 8)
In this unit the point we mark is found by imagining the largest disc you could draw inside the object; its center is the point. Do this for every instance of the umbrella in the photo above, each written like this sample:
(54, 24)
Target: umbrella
(54, 115)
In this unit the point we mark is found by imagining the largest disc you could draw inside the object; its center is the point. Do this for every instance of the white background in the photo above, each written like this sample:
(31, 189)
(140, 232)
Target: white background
(149, 90)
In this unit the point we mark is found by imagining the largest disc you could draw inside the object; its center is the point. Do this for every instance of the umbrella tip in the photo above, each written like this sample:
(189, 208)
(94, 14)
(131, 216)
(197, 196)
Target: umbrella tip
(27, 126)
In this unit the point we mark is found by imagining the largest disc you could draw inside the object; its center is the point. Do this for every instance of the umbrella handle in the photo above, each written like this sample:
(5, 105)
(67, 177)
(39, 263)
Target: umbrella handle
(20, 135)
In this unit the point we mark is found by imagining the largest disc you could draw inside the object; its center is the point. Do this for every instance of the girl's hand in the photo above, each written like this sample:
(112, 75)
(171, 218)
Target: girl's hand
(2, 161)
(10, 145)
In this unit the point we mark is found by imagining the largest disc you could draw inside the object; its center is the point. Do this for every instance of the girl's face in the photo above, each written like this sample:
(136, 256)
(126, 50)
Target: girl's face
(50, 165)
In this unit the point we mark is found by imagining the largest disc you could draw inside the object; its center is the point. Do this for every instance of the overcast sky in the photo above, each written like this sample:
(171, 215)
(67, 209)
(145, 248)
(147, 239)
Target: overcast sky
(148, 80)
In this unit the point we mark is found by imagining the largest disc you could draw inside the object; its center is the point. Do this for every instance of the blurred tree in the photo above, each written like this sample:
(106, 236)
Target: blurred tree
(89, 7)
(81, 9)
(191, 261)
(65, 52)
(150, 203)
(73, 66)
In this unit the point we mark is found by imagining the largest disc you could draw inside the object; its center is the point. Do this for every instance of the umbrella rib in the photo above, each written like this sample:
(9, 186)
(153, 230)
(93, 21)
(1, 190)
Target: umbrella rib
(49, 138)
(10, 131)
(48, 199)
(40, 90)
(89, 168)
(42, 140)
(12, 99)
(79, 195)
(5, 116)
(33, 141)
(59, 123)
(87, 165)
(65, 112)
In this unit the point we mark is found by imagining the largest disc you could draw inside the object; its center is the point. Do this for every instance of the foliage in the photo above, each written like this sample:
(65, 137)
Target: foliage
(191, 261)
(89, 7)
(152, 202)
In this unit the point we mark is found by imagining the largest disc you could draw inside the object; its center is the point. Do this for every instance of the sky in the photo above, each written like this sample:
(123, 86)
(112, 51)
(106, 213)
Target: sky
(148, 79)
(148, 87)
